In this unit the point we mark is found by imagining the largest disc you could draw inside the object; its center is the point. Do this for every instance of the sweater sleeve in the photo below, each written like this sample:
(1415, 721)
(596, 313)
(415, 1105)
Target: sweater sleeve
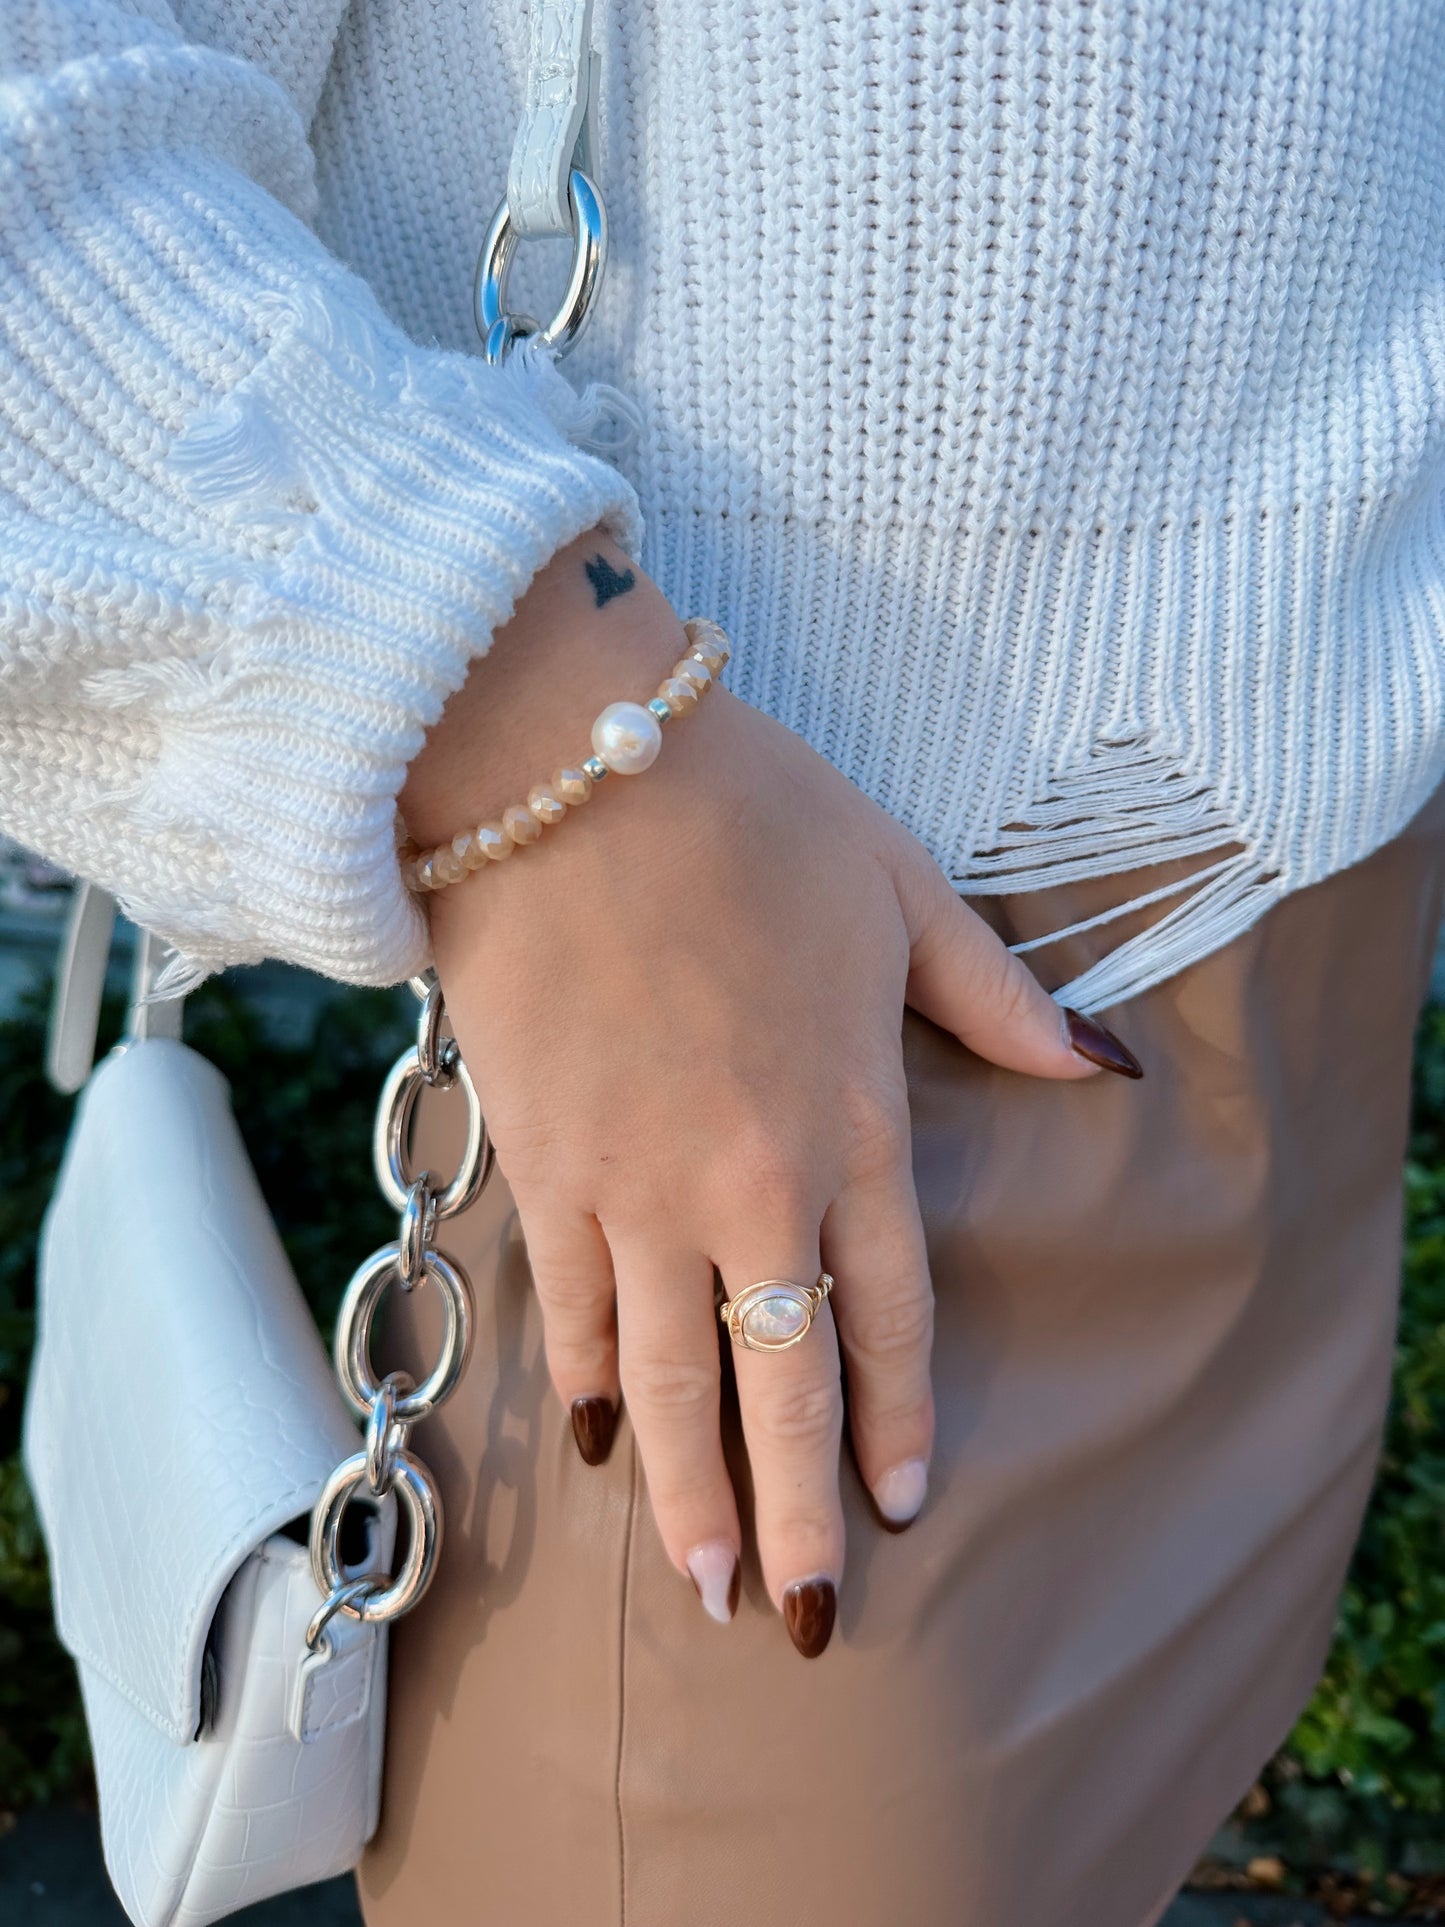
(251, 534)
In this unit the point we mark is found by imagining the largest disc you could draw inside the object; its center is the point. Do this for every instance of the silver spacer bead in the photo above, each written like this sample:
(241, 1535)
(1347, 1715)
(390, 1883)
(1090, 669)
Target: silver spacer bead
(660, 710)
(596, 768)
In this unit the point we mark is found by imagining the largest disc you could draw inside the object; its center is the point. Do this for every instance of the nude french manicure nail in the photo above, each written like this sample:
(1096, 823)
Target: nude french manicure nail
(899, 1494)
(809, 1609)
(714, 1570)
(1100, 1046)
(594, 1421)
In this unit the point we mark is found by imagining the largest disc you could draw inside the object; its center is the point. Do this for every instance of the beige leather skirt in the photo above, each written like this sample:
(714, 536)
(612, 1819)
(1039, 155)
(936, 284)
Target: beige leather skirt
(1165, 1318)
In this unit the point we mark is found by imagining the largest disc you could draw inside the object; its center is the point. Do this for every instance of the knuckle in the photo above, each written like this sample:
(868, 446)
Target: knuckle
(803, 1415)
(799, 1542)
(878, 1134)
(578, 1369)
(897, 1329)
(574, 1295)
(916, 881)
(886, 1431)
(622, 1190)
(679, 1493)
(669, 1388)
(1007, 989)
(527, 1154)
(767, 1166)
(798, 1534)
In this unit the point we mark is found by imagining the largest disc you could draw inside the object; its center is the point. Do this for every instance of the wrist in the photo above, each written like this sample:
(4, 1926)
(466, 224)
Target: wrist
(590, 630)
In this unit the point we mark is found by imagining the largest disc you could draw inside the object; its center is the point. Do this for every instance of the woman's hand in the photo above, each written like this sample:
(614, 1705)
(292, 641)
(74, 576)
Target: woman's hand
(682, 1010)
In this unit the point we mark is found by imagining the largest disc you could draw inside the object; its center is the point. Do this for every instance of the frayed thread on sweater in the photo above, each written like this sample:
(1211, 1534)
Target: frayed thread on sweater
(178, 977)
(1222, 901)
(1129, 805)
(601, 419)
(243, 459)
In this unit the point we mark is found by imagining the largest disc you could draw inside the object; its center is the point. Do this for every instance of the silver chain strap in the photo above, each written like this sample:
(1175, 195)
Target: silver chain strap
(555, 137)
(391, 1405)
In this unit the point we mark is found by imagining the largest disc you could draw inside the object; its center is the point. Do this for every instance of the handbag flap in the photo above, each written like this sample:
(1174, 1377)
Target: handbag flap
(181, 1404)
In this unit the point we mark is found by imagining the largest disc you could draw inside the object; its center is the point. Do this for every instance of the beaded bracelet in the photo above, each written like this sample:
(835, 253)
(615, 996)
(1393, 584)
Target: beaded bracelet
(626, 738)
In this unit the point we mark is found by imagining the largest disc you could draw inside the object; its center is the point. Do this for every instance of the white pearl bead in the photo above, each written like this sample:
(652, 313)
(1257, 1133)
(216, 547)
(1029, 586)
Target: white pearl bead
(627, 737)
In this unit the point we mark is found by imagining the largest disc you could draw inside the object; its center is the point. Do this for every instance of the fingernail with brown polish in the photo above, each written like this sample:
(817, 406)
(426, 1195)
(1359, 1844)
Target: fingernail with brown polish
(1100, 1046)
(714, 1570)
(809, 1609)
(594, 1420)
(899, 1494)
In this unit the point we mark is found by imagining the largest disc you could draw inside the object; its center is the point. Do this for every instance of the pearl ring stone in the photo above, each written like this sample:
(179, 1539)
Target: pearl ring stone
(773, 1314)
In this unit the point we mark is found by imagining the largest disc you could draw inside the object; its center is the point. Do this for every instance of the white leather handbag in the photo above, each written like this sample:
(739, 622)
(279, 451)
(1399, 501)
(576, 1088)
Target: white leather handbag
(197, 1470)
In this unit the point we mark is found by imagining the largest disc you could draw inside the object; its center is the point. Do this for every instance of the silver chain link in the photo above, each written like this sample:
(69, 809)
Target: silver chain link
(500, 326)
(392, 1404)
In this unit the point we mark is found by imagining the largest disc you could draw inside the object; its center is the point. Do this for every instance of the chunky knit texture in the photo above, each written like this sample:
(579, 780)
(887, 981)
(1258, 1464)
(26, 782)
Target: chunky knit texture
(1049, 397)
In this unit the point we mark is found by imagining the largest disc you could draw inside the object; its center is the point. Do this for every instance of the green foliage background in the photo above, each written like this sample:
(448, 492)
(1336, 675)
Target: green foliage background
(1363, 1780)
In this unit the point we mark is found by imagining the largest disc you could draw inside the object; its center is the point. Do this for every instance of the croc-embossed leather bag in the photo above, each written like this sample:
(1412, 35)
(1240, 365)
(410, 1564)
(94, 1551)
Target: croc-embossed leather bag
(183, 1425)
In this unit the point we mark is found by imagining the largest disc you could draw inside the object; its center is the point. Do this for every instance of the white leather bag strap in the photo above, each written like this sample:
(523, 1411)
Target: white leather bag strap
(80, 985)
(152, 1016)
(550, 185)
(555, 135)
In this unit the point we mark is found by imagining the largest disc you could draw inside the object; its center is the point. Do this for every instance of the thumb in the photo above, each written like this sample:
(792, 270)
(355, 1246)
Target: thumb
(962, 977)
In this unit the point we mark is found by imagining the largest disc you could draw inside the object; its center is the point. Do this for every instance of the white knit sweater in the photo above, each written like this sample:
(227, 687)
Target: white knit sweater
(1049, 396)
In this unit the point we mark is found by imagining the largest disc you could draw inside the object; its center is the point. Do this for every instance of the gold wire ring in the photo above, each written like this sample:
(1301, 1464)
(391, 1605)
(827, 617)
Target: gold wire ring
(774, 1314)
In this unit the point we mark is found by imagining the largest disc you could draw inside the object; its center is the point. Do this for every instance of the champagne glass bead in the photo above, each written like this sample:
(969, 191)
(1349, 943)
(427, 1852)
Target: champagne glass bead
(426, 873)
(469, 851)
(680, 696)
(574, 786)
(493, 840)
(521, 824)
(709, 644)
(627, 738)
(697, 673)
(447, 865)
(545, 804)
